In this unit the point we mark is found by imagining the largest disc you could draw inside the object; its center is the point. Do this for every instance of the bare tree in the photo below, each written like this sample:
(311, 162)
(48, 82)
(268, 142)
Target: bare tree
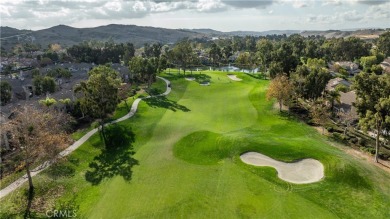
(346, 118)
(38, 136)
(320, 113)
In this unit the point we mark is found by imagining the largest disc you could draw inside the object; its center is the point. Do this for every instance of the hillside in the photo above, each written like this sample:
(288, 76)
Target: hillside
(68, 36)
(139, 35)
(363, 33)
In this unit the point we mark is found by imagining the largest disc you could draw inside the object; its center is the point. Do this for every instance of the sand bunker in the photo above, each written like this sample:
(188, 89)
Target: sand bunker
(205, 83)
(234, 78)
(301, 172)
(190, 79)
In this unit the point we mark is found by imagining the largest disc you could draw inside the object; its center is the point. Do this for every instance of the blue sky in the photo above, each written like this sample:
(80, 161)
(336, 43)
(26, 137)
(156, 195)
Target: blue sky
(223, 15)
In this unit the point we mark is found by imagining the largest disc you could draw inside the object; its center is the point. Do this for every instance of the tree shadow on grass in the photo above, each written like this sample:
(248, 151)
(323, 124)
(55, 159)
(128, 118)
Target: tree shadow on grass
(155, 91)
(258, 76)
(287, 115)
(201, 78)
(295, 114)
(163, 102)
(116, 158)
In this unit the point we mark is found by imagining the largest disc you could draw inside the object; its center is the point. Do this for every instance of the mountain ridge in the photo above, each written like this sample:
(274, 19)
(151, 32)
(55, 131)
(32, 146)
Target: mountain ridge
(139, 35)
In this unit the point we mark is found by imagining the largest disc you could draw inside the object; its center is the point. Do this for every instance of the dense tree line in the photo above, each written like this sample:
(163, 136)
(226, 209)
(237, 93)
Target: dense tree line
(102, 53)
(282, 52)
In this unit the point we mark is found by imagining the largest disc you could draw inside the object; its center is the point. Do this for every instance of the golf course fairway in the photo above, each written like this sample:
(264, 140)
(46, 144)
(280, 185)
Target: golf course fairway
(179, 157)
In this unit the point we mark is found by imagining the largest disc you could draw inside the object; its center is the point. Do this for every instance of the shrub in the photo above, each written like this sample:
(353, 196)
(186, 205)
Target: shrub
(362, 141)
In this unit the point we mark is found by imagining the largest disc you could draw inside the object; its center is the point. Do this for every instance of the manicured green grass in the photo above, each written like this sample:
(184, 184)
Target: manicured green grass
(186, 162)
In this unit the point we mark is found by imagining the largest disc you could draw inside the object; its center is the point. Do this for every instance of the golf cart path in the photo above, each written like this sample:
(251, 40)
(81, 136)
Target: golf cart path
(16, 184)
(300, 172)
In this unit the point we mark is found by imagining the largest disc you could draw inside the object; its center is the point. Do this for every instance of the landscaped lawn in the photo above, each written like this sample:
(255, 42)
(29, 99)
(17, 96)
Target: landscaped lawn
(178, 157)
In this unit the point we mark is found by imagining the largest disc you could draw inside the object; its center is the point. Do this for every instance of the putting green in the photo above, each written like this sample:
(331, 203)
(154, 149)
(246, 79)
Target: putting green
(188, 149)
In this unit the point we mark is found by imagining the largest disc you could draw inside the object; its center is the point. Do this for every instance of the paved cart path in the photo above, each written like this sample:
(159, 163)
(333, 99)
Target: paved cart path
(19, 182)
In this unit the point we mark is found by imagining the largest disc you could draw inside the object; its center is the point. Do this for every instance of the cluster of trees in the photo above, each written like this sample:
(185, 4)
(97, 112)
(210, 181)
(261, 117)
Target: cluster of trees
(145, 68)
(43, 85)
(275, 53)
(182, 55)
(46, 83)
(59, 73)
(308, 83)
(373, 105)
(305, 88)
(102, 52)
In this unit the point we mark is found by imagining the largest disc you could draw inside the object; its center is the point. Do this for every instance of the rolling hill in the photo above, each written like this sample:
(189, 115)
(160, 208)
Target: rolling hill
(139, 35)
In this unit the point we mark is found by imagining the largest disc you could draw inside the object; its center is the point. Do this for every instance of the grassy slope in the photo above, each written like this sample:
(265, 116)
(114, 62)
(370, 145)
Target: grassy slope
(189, 163)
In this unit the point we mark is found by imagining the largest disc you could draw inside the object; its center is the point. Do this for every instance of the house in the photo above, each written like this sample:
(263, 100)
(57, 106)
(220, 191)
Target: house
(386, 65)
(351, 67)
(333, 83)
(346, 102)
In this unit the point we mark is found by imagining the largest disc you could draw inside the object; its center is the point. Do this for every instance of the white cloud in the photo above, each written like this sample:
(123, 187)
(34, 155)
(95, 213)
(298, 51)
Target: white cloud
(113, 6)
(332, 2)
(210, 6)
(378, 12)
(38, 13)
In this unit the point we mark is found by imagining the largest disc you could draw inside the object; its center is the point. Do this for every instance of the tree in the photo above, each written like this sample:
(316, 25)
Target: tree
(35, 72)
(383, 43)
(310, 82)
(100, 94)
(264, 49)
(285, 56)
(38, 136)
(376, 69)
(151, 66)
(275, 69)
(45, 61)
(215, 54)
(280, 89)
(153, 50)
(37, 83)
(341, 88)
(136, 67)
(48, 101)
(333, 96)
(227, 51)
(183, 55)
(124, 92)
(5, 92)
(346, 118)
(367, 62)
(320, 113)
(145, 68)
(49, 85)
(373, 104)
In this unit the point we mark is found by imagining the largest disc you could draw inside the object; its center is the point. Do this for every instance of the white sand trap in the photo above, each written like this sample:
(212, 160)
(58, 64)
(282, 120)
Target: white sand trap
(301, 172)
(190, 79)
(234, 78)
(205, 84)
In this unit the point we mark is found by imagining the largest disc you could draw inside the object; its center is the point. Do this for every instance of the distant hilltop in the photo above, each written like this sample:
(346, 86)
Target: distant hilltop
(139, 35)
